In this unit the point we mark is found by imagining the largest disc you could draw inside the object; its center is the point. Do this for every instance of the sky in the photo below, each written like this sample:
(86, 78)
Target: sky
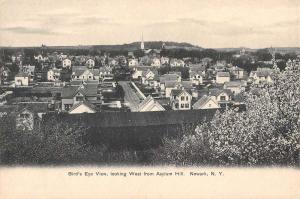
(209, 23)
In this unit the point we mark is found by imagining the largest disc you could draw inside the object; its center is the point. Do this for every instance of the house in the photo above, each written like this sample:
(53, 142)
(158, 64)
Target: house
(164, 61)
(150, 78)
(180, 99)
(138, 71)
(206, 102)
(82, 107)
(66, 63)
(171, 77)
(149, 104)
(90, 63)
(261, 75)
(133, 62)
(169, 86)
(155, 62)
(235, 87)
(220, 95)
(237, 72)
(30, 70)
(105, 71)
(54, 74)
(222, 77)
(82, 73)
(176, 63)
(22, 79)
(74, 94)
(196, 76)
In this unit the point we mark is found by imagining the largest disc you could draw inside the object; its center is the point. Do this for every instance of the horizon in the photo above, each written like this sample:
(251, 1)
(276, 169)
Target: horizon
(215, 24)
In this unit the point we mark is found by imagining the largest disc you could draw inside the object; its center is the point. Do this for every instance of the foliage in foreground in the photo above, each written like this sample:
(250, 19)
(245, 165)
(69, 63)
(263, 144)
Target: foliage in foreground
(266, 134)
(56, 144)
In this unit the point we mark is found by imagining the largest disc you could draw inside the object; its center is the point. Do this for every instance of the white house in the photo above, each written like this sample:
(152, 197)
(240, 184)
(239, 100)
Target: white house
(235, 87)
(196, 77)
(66, 63)
(82, 107)
(176, 63)
(105, 71)
(149, 104)
(155, 62)
(90, 63)
(150, 78)
(180, 99)
(53, 74)
(87, 74)
(164, 60)
(261, 76)
(206, 102)
(237, 72)
(222, 77)
(22, 79)
(220, 95)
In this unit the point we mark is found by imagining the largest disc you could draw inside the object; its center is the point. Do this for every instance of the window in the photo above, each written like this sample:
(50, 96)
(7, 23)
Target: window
(77, 76)
(24, 115)
(67, 106)
(79, 98)
(176, 105)
(209, 105)
(187, 105)
(187, 98)
(90, 77)
(182, 105)
(182, 98)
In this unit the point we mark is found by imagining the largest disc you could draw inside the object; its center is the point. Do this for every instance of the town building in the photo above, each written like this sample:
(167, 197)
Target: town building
(66, 63)
(90, 63)
(54, 74)
(82, 107)
(149, 104)
(22, 79)
(206, 102)
(72, 95)
(222, 77)
(180, 99)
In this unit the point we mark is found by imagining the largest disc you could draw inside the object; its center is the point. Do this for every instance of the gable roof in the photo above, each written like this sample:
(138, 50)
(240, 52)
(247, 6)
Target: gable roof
(202, 101)
(148, 100)
(83, 103)
(87, 90)
(217, 92)
(178, 92)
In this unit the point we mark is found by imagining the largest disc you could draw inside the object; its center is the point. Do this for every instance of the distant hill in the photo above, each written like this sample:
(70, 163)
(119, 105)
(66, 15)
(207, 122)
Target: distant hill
(124, 47)
(148, 44)
(282, 50)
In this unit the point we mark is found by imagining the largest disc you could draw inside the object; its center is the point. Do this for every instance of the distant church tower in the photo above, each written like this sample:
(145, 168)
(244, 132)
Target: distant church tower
(142, 43)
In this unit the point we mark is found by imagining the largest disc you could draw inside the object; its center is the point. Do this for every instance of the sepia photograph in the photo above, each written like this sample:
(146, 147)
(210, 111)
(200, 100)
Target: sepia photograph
(150, 84)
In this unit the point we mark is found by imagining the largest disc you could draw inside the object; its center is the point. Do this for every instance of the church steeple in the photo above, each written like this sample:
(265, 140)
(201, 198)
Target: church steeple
(142, 43)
